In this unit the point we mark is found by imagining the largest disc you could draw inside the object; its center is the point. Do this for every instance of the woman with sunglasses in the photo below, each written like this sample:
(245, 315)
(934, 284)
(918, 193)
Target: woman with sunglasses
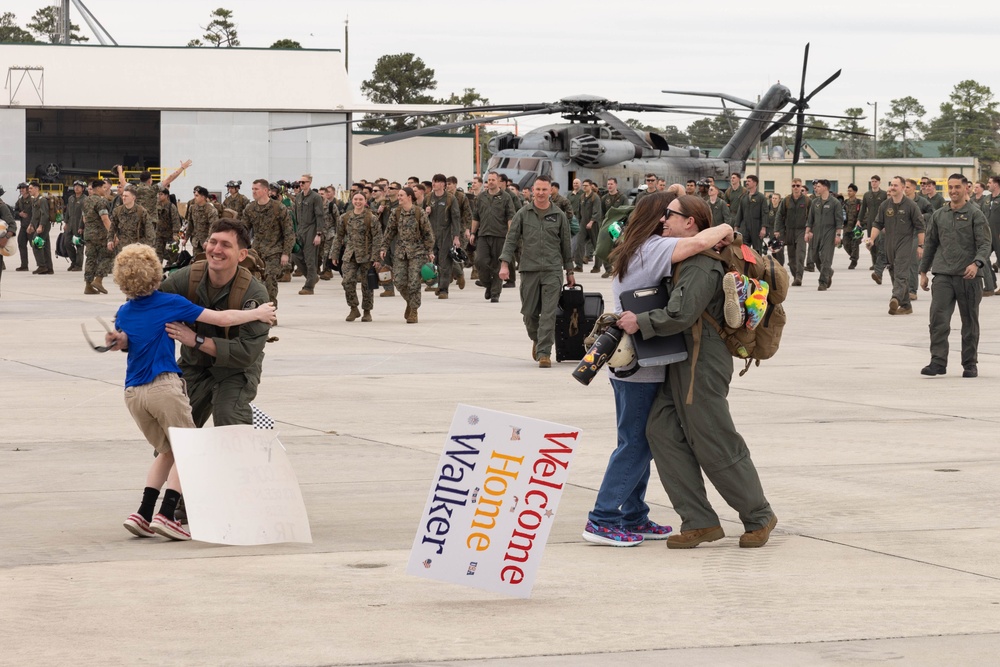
(690, 427)
(641, 258)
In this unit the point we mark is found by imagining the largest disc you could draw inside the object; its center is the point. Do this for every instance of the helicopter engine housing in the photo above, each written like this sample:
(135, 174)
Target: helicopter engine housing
(588, 151)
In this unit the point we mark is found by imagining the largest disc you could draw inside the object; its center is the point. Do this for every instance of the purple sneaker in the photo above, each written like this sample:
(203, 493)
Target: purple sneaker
(614, 537)
(651, 531)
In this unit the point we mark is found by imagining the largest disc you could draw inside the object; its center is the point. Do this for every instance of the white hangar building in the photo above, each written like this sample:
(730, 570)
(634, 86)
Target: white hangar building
(88, 108)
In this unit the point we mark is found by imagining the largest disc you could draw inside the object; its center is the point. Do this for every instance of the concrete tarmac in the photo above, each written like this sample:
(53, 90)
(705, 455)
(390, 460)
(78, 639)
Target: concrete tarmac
(884, 483)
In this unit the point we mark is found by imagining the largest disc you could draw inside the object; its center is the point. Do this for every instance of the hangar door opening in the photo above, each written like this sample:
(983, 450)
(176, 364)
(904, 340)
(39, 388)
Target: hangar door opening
(66, 144)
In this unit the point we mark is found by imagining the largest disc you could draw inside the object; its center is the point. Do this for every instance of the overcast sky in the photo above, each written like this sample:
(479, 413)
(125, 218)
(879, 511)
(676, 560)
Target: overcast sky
(517, 52)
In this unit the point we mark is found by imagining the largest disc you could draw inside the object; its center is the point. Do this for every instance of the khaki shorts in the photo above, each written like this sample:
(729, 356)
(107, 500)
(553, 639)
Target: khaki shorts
(159, 405)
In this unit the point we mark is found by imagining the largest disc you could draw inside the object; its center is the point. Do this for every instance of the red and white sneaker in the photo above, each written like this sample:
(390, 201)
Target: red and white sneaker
(161, 525)
(138, 526)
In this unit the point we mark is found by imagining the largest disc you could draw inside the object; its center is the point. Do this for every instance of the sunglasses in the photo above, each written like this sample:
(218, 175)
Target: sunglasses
(651, 180)
(669, 212)
(97, 348)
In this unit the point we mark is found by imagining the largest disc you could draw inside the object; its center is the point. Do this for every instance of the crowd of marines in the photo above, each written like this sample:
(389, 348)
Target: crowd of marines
(383, 233)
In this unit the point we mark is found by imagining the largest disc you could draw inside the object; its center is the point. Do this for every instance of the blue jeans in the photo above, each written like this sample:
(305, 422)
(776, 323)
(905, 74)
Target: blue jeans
(621, 499)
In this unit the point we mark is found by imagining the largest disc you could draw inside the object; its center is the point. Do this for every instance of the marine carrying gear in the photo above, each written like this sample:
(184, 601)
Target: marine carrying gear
(751, 345)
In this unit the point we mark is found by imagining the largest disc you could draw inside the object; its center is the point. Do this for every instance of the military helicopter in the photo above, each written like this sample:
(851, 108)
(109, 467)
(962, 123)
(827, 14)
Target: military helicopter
(598, 145)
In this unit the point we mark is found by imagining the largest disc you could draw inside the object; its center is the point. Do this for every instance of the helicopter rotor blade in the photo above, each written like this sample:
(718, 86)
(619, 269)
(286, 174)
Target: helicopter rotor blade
(805, 63)
(722, 96)
(431, 129)
(799, 126)
(448, 112)
(777, 125)
(833, 77)
(631, 135)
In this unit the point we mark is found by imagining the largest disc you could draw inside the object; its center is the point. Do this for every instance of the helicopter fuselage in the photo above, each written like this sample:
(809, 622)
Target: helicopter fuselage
(566, 151)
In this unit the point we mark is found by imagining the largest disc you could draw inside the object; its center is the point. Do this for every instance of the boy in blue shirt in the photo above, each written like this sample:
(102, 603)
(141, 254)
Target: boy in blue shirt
(155, 394)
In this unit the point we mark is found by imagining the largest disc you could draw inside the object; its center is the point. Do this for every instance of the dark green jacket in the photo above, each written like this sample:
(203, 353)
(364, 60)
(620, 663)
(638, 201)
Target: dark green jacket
(956, 238)
(546, 239)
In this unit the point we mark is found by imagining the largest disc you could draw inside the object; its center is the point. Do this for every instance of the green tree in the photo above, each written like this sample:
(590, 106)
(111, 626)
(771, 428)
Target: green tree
(11, 32)
(901, 128)
(286, 44)
(45, 24)
(715, 131)
(220, 31)
(402, 78)
(817, 129)
(969, 122)
(853, 146)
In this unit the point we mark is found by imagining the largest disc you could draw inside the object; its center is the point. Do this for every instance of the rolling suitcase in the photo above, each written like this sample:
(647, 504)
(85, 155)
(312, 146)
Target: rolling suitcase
(575, 318)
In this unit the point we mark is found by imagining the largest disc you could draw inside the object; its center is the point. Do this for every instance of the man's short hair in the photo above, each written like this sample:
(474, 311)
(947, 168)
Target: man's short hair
(797, 181)
(691, 180)
(555, 186)
(544, 179)
(651, 175)
(201, 190)
(452, 180)
(819, 181)
(959, 177)
(852, 187)
(913, 182)
(995, 179)
(262, 181)
(736, 174)
(145, 176)
(902, 181)
(876, 177)
(97, 183)
(756, 181)
(439, 178)
(235, 226)
(612, 179)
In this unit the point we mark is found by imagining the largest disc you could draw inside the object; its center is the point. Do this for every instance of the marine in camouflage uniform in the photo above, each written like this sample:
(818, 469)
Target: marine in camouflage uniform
(131, 225)
(236, 201)
(360, 236)
(414, 242)
(168, 228)
(200, 216)
(331, 216)
(146, 197)
(11, 233)
(96, 221)
(273, 238)
(852, 207)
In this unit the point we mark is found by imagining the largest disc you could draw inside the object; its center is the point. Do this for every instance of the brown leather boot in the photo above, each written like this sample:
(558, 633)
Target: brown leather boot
(758, 538)
(98, 284)
(285, 278)
(406, 313)
(388, 292)
(688, 539)
(366, 316)
(412, 317)
(353, 315)
(89, 289)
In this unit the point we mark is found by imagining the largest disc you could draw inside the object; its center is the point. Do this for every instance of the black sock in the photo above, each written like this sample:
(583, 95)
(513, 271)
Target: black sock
(149, 496)
(169, 504)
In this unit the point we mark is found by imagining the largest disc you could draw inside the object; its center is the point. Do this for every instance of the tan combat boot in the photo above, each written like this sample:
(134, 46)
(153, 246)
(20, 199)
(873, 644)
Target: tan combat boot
(544, 362)
(412, 317)
(367, 316)
(98, 284)
(89, 289)
(388, 292)
(461, 280)
(406, 313)
(688, 539)
(285, 278)
(353, 315)
(757, 538)
(326, 275)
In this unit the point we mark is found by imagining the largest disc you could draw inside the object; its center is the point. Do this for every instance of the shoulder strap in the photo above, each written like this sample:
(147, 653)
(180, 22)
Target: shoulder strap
(195, 276)
(239, 290)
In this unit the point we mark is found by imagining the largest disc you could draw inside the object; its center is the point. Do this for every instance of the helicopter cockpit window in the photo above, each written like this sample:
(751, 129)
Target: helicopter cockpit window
(546, 167)
(505, 163)
(494, 164)
(528, 164)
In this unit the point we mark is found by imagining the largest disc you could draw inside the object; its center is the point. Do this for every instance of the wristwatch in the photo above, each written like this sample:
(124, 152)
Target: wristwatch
(199, 340)
(979, 263)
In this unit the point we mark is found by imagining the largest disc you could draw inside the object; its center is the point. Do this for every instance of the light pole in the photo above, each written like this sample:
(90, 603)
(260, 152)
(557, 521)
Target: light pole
(875, 133)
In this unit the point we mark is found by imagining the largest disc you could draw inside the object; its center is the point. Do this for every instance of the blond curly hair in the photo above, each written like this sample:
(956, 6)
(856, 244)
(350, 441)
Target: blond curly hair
(138, 271)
